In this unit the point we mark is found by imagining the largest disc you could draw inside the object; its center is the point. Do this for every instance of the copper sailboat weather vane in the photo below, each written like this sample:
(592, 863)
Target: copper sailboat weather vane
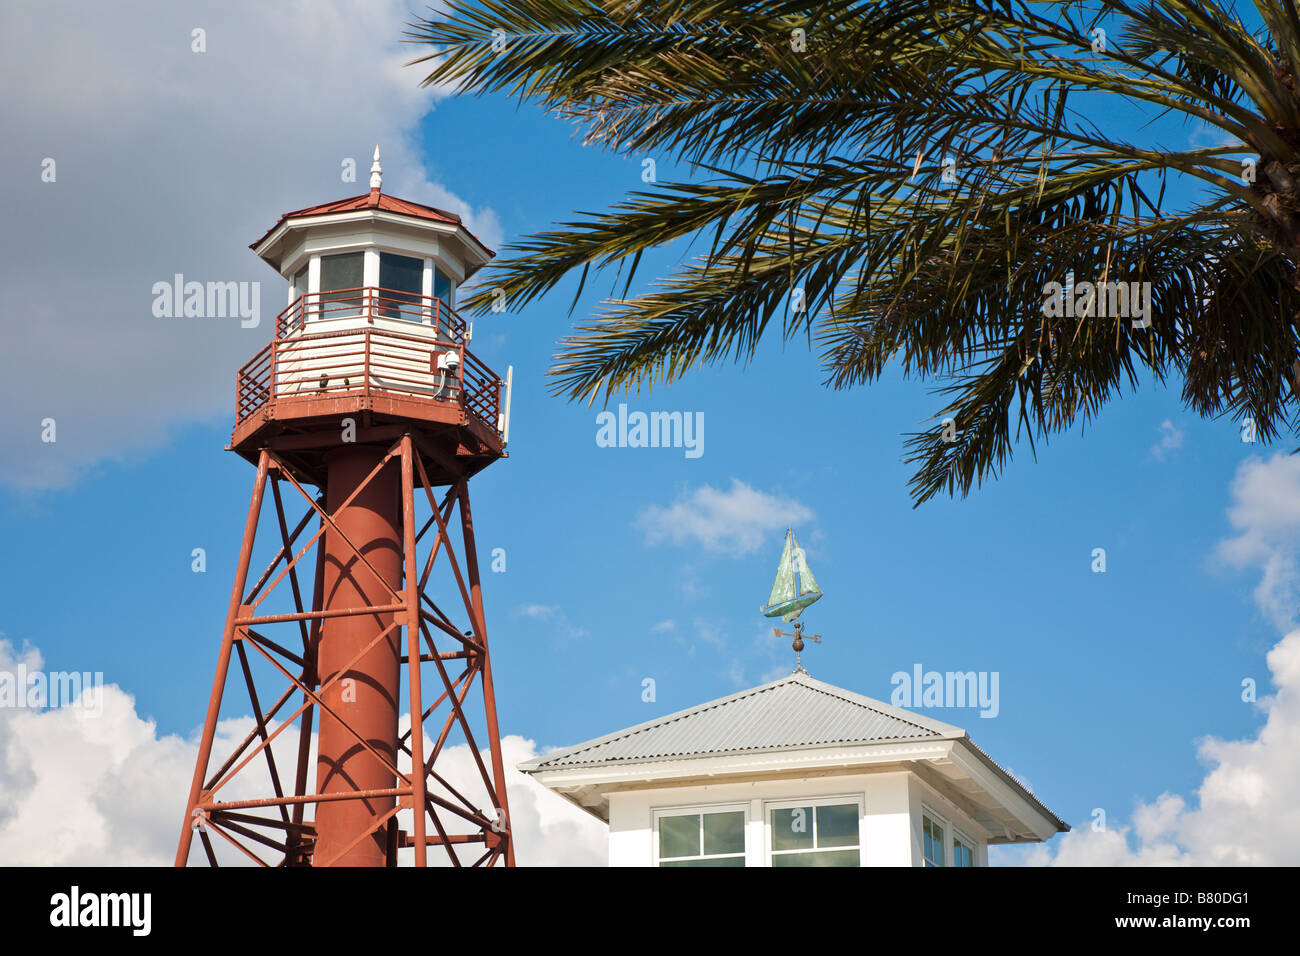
(793, 590)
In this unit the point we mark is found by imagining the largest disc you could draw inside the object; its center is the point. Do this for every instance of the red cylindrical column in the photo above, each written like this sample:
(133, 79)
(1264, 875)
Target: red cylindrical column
(366, 695)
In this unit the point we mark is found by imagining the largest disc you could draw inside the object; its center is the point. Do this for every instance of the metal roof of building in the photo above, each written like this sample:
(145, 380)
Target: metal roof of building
(793, 712)
(373, 200)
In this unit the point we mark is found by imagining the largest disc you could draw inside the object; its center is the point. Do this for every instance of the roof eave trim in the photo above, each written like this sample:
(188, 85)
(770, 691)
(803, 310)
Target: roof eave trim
(353, 215)
(794, 759)
(972, 759)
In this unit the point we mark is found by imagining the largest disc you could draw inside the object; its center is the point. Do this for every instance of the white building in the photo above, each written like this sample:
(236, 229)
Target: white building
(795, 773)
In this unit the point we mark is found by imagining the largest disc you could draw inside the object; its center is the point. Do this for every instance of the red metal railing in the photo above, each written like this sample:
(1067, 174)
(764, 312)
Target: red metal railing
(369, 303)
(428, 362)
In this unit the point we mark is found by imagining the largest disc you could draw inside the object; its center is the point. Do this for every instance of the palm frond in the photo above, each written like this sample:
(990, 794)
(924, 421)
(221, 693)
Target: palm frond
(899, 182)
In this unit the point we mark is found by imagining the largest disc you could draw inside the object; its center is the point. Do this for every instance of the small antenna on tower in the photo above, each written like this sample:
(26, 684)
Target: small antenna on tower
(376, 174)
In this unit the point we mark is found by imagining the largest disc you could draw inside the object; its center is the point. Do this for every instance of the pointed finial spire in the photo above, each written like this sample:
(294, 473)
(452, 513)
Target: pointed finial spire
(376, 174)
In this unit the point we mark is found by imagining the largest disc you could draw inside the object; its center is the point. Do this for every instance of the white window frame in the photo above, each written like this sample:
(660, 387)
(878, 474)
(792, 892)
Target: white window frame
(311, 263)
(819, 801)
(942, 820)
(954, 835)
(296, 292)
(659, 812)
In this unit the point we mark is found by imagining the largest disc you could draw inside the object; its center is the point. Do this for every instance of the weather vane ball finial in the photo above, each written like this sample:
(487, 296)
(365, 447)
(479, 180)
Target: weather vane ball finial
(376, 174)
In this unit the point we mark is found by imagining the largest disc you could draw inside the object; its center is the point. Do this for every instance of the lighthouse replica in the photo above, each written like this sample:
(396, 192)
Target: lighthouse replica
(361, 651)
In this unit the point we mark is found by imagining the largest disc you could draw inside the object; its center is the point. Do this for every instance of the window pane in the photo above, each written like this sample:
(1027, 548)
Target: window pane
(932, 838)
(401, 273)
(724, 832)
(679, 836)
(792, 829)
(401, 278)
(441, 286)
(341, 272)
(714, 861)
(833, 858)
(837, 825)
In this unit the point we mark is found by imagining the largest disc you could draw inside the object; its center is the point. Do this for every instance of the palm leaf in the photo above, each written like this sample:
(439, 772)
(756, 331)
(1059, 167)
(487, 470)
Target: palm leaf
(899, 182)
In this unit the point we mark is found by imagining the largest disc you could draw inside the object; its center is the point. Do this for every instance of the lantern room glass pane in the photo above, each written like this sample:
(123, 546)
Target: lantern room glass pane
(345, 271)
(442, 287)
(401, 279)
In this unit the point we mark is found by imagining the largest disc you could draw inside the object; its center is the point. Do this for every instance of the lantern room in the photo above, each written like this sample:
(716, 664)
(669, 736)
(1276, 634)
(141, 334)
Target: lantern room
(331, 253)
(371, 327)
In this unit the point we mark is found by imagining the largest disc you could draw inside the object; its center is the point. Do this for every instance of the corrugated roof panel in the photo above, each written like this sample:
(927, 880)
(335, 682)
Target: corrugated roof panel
(795, 711)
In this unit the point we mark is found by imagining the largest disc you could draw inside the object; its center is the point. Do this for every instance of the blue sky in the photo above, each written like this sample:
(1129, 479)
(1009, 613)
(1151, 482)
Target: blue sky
(1106, 680)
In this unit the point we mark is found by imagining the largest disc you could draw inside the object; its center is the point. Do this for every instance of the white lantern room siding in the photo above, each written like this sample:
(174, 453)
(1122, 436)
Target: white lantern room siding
(300, 370)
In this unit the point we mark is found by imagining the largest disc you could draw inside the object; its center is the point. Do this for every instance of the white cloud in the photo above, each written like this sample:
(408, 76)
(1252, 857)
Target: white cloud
(1204, 135)
(734, 522)
(775, 672)
(712, 633)
(1024, 782)
(538, 612)
(701, 633)
(1171, 439)
(549, 830)
(77, 790)
(549, 612)
(694, 586)
(1265, 513)
(170, 161)
(1243, 812)
(774, 656)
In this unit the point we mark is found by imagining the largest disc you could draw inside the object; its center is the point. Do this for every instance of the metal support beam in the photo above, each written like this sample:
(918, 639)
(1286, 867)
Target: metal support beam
(374, 576)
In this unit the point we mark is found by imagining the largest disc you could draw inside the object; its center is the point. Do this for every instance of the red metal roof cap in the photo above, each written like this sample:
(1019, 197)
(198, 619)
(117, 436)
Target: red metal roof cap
(372, 200)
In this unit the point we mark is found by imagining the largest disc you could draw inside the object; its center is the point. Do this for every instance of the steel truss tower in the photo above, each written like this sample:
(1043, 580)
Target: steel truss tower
(370, 395)
(366, 748)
